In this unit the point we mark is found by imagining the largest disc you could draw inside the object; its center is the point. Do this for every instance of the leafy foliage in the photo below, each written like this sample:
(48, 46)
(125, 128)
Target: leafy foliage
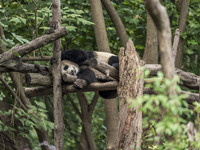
(192, 38)
(165, 117)
(18, 21)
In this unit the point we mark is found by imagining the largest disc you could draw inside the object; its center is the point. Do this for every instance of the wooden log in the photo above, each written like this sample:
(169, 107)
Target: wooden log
(46, 80)
(17, 51)
(105, 68)
(192, 97)
(38, 79)
(190, 80)
(47, 90)
(17, 66)
(102, 77)
(44, 58)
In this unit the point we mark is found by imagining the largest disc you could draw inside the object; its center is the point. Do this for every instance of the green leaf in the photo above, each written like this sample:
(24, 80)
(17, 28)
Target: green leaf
(15, 20)
(192, 42)
(41, 104)
(147, 73)
(71, 28)
(22, 20)
(20, 38)
(16, 54)
(85, 22)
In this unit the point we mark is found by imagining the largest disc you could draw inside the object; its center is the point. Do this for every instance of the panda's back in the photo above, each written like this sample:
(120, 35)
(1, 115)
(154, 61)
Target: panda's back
(103, 56)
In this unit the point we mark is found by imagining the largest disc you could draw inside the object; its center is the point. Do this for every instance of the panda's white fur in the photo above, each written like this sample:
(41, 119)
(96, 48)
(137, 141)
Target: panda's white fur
(69, 67)
(103, 56)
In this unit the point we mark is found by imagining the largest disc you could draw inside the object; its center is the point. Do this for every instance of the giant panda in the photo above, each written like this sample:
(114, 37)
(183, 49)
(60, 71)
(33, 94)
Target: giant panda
(75, 61)
(81, 57)
(83, 76)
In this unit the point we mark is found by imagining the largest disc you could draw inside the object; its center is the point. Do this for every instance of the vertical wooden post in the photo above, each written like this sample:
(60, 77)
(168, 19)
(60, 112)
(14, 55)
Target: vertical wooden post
(57, 87)
(130, 86)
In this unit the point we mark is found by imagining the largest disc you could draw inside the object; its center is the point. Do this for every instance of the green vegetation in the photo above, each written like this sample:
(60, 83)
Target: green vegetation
(165, 118)
(18, 21)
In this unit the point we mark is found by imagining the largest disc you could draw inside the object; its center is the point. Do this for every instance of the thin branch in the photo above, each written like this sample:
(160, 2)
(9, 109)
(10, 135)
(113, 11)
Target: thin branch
(94, 102)
(74, 105)
(86, 119)
(175, 44)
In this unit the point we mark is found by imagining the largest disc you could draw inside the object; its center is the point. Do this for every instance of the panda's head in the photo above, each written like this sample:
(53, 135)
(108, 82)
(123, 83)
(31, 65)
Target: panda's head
(70, 67)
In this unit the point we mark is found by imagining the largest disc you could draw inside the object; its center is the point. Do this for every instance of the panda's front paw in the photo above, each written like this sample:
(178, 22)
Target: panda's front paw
(80, 83)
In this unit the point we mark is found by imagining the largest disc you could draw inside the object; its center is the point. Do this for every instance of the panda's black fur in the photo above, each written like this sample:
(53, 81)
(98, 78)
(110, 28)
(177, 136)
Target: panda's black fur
(80, 57)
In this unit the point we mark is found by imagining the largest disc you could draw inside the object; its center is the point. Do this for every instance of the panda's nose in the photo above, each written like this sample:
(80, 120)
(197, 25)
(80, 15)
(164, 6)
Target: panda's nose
(73, 72)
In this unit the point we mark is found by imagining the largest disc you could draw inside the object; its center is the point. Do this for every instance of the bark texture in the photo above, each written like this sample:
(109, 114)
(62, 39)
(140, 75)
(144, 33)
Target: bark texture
(99, 26)
(103, 45)
(184, 6)
(106, 69)
(112, 120)
(18, 66)
(47, 90)
(151, 48)
(130, 86)
(42, 91)
(161, 20)
(57, 86)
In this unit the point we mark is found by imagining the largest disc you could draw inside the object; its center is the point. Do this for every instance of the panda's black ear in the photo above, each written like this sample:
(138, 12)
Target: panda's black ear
(66, 67)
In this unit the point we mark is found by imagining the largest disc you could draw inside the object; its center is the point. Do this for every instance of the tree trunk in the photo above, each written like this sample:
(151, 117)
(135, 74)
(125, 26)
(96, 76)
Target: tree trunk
(103, 45)
(83, 141)
(130, 86)
(161, 20)
(184, 6)
(86, 117)
(112, 120)
(99, 26)
(151, 48)
(57, 87)
(121, 31)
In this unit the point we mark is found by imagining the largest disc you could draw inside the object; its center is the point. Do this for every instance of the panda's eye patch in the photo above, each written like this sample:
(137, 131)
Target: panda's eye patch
(66, 67)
